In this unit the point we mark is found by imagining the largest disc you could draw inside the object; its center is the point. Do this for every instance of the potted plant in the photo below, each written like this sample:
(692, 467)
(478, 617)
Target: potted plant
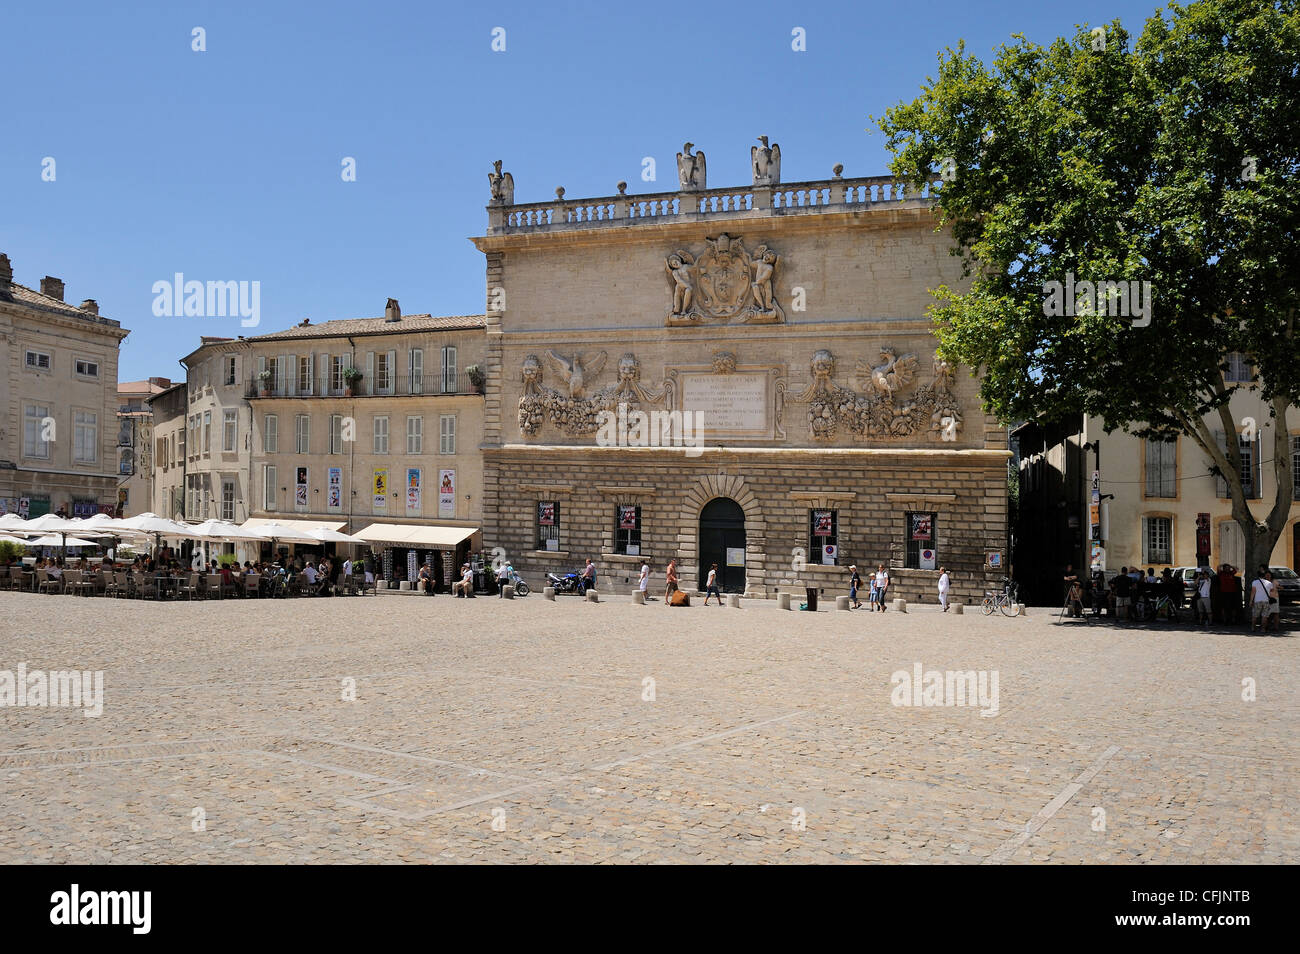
(264, 379)
(350, 377)
(477, 377)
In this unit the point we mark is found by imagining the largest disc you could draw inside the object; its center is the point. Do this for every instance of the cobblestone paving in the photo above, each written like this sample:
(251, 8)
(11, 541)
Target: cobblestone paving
(771, 736)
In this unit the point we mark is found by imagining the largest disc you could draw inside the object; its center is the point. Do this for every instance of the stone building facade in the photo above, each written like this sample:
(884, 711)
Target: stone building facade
(58, 401)
(743, 376)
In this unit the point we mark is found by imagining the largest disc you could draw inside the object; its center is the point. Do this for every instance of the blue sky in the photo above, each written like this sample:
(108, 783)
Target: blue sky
(225, 165)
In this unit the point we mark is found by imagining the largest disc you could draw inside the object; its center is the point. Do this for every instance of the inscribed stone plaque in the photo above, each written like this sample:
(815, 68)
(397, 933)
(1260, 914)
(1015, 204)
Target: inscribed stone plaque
(732, 405)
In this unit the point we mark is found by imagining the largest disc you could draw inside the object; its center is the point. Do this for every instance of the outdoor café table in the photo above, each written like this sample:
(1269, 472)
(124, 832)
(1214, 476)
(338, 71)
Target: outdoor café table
(29, 580)
(166, 585)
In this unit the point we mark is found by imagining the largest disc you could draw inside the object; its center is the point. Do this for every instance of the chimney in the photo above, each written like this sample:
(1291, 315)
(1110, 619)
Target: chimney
(53, 287)
(90, 306)
(392, 311)
(6, 273)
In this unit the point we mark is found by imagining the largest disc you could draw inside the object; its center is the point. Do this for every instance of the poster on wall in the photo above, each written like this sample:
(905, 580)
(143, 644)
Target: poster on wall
(735, 556)
(413, 491)
(379, 494)
(334, 495)
(821, 523)
(626, 518)
(920, 526)
(446, 493)
(82, 509)
(300, 488)
(546, 514)
(927, 559)
(24, 507)
(1203, 539)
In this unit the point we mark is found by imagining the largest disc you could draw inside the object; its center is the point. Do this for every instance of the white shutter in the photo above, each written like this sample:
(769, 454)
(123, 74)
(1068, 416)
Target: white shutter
(281, 367)
(293, 374)
(392, 373)
(324, 387)
(311, 368)
(370, 370)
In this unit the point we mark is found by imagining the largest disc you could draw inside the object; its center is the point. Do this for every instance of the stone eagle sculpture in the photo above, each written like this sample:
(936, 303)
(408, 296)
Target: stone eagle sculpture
(691, 171)
(766, 161)
(576, 371)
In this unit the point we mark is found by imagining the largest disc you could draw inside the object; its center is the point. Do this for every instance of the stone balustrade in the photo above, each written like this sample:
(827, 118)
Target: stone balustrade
(795, 198)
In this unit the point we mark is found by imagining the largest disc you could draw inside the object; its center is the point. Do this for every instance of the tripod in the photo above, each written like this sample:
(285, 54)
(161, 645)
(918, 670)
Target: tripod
(1073, 597)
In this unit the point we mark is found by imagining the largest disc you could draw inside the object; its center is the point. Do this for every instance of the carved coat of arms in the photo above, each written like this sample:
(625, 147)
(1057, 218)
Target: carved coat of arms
(724, 283)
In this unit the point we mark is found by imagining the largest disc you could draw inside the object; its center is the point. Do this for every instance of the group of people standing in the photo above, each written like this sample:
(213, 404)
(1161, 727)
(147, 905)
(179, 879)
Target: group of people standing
(879, 583)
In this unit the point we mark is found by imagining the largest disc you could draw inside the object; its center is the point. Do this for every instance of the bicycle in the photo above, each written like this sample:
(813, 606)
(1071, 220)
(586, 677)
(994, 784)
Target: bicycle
(1004, 601)
(1149, 608)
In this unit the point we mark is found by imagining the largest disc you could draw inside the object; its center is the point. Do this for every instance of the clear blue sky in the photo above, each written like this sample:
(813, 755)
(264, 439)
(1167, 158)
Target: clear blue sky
(225, 165)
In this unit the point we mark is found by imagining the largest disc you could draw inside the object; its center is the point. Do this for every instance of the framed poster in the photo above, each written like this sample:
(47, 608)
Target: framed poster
(920, 526)
(379, 491)
(334, 497)
(821, 523)
(546, 514)
(735, 556)
(413, 501)
(300, 488)
(446, 493)
(626, 518)
(994, 559)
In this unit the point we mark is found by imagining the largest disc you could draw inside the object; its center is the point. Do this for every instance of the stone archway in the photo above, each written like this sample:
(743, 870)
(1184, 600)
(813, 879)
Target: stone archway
(698, 495)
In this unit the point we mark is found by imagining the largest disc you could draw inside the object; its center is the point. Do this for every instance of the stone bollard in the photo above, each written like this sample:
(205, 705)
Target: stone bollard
(900, 605)
(783, 600)
(548, 592)
(733, 600)
(593, 596)
(638, 597)
(508, 592)
(1022, 609)
(405, 585)
(957, 608)
(842, 603)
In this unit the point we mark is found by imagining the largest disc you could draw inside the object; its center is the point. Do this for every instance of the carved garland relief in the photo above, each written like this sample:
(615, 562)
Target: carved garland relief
(884, 410)
(573, 410)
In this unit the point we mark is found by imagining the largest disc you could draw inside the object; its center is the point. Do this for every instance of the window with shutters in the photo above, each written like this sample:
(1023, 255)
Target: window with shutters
(447, 434)
(415, 435)
(271, 435)
(1157, 532)
(230, 369)
(229, 430)
(302, 433)
(268, 487)
(228, 500)
(336, 373)
(1249, 467)
(207, 433)
(383, 372)
(449, 369)
(336, 433)
(415, 370)
(304, 374)
(1238, 368)
(381, 435)
(1161, 468)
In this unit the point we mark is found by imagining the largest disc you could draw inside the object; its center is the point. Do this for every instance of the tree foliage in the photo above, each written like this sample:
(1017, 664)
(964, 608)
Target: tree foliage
(1170, 160)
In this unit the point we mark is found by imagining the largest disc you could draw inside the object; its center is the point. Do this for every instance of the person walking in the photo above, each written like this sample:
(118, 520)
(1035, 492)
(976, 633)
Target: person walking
(503, 579)
(588, 578)
(1260, 598)
(945, 583)
(882, 586)
(711, 586)
(1274, 604)
(1203, 596)
(643, 583)
(855, 583)
(670, 581)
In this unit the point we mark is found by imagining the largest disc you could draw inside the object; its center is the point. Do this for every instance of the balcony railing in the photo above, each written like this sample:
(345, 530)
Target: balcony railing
(795, 198)
(421, 385)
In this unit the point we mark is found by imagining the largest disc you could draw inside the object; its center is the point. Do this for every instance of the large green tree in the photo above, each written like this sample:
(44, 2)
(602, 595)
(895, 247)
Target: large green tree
(1170, 160)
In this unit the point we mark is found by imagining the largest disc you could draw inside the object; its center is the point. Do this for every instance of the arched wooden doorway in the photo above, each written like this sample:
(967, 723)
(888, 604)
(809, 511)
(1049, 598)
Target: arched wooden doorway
(722, 533)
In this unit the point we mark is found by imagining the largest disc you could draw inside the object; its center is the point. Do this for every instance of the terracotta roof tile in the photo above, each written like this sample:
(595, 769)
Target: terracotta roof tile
(378, 326)
(34, 299)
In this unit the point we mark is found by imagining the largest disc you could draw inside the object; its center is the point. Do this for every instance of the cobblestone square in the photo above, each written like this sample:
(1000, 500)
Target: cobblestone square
(534, 731)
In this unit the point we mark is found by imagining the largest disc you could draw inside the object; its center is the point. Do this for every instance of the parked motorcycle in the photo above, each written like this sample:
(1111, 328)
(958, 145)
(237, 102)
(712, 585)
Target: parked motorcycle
(568, 583)
(521, 588)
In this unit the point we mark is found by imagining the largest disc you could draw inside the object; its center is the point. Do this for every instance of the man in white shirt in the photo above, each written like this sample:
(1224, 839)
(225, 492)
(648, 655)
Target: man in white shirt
(1261, 596)
(1203, 597)
(945, 584)
(644, 582)
(309, 572)
(503, 578)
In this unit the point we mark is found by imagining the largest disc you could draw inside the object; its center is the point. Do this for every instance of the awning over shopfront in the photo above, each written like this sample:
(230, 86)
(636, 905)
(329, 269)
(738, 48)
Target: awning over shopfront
(415, 535)
(252, 523)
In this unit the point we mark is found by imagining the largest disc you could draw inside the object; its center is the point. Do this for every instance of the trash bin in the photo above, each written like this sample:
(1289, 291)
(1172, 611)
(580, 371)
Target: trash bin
(811, 592)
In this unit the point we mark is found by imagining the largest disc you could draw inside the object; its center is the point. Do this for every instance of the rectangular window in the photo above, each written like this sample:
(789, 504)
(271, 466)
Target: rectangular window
(920, 534)
(207, 433)
(228, 500)
(268, 487)
(1161, 467)
(381, 435)
(1238, 371)
(383, 372)
(823, 532)
(38, 361)
(548, 525)
(229, 430)
(415, 435)
(302, 434)
(336, 374)
(125, 462)
(271, 435)
(87, 369)
(1249, 467)
(1156, 534)
(230, 369)
(627, 529)
(415, 369)
(449, 369)
(336, 433)
(37, 431)
(305, 366)
(447, 434)
(85, 437)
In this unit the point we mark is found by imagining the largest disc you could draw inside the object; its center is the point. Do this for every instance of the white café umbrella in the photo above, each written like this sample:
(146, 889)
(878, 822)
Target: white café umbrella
(51, 524)
(150, 524)
(62, 540)
(326, 535)
(226, 531)
(11, 521)
(284, 534)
